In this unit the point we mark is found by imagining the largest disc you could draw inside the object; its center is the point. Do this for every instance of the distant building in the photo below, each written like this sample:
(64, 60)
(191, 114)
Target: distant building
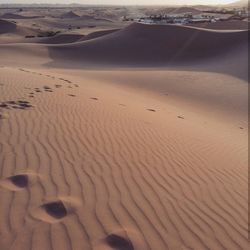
(184, 18)
(214, 15)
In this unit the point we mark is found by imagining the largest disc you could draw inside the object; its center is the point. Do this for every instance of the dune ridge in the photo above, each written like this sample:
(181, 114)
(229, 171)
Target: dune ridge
(17, 16)
(62, 39)
(183, 48)
(70, 14)
(162, 45)
(228, 25)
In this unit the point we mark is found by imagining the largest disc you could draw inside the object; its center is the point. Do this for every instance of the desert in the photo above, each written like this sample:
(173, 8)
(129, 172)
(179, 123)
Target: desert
(120, 130)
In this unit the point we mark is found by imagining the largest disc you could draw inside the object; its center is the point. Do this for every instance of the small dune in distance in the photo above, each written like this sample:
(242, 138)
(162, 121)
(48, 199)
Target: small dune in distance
(124, 127)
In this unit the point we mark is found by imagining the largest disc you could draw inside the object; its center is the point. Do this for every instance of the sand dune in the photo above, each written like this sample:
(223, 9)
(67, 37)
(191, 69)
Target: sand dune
(97, 34)
(161, 44)
(62, 39)
(17, 16)
(228, 25)
(93, 18)
(87, 17)
(132, 139)
(6, 26)
(188, 47)
(184, 10)
(11, 32)
(114, 175)
(69, 14)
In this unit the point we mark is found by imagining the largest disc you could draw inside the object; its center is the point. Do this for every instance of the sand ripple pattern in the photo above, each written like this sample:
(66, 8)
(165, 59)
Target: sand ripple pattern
(93, 176)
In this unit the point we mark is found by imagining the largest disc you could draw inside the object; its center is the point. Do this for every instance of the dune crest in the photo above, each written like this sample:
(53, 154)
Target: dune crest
(17, 16)
(70, 14)
(162, 45)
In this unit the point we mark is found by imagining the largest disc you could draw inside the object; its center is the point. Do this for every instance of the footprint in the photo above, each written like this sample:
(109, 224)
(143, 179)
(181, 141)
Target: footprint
(17, 107)
(65, 80)
(21, 104)
(55, 210)
(22, 101)
(3, 105)
(25, 104)
(19, 181)
(11, 102)
(152, 110)
(118, 242)
(121, 239)
(16, 104)
(180, 117)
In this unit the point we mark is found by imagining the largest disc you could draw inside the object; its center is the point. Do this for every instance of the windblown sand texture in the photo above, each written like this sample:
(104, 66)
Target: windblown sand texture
(128, 138)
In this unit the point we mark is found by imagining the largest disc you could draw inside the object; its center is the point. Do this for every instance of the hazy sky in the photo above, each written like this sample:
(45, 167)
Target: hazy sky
(138, 2)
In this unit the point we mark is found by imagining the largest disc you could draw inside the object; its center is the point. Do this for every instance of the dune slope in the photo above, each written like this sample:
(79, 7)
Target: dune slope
(125, 158)
(17, 16)
(89, 165)
(70, 14)
(6, 27)
(138, 45)
(141, 45)
(160, 44)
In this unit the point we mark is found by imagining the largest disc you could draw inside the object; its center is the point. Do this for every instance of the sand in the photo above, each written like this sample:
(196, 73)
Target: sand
(106, 144)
